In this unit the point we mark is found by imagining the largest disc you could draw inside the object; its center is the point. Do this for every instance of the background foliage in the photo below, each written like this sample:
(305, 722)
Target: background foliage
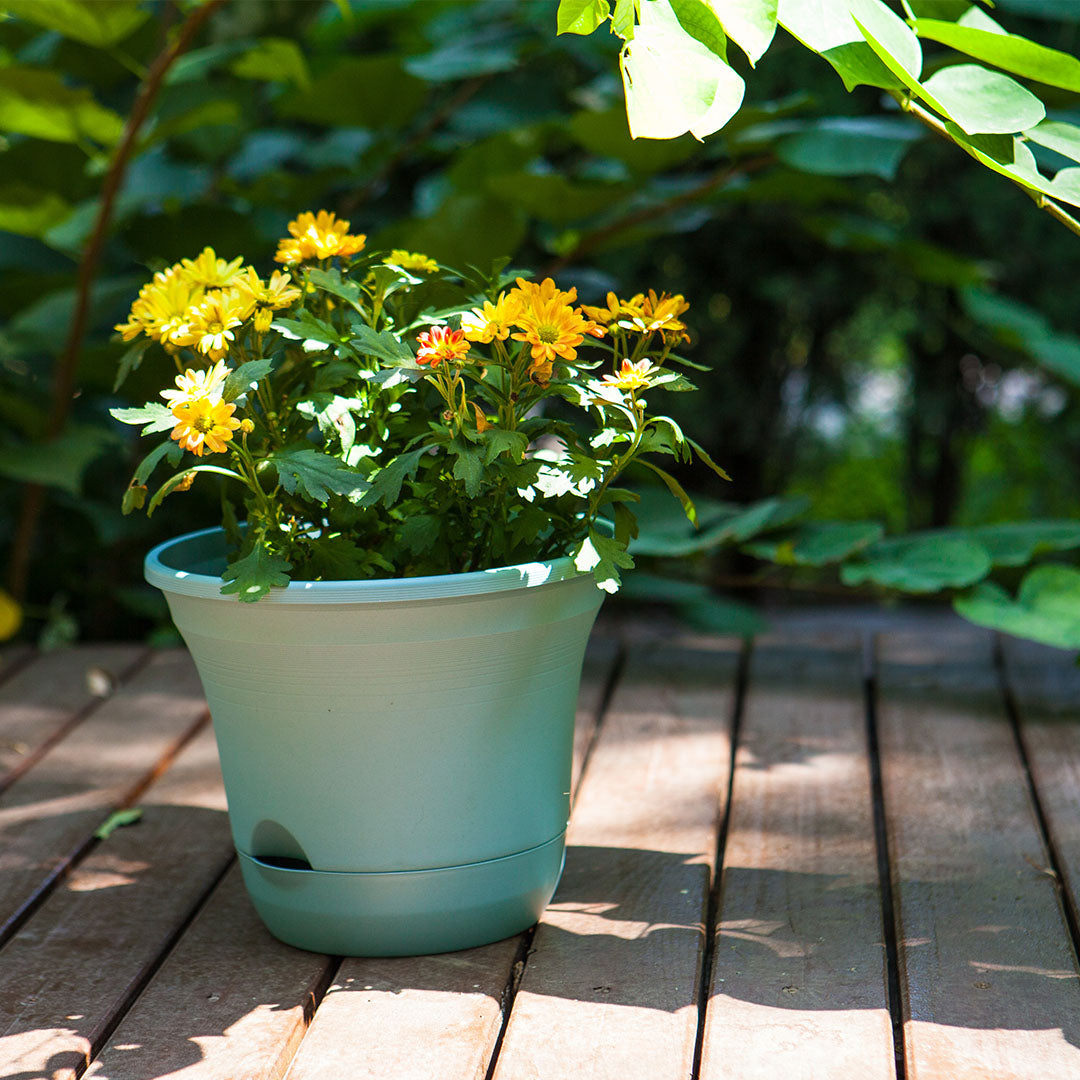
(893, 343)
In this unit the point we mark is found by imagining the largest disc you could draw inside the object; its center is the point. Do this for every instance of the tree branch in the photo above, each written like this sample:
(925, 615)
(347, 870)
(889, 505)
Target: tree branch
(67, 364)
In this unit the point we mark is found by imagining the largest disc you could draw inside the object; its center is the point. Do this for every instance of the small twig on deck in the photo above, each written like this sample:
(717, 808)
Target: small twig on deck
(67, 364)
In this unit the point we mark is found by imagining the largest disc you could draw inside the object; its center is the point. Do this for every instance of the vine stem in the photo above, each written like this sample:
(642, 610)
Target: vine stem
(67, 364)
(935, 124)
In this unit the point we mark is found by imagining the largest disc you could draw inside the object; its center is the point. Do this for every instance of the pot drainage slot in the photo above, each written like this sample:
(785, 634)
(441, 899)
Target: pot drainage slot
(283, 862)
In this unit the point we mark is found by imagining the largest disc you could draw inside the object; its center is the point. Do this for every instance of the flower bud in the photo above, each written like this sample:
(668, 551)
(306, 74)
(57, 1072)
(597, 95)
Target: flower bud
(247, 426)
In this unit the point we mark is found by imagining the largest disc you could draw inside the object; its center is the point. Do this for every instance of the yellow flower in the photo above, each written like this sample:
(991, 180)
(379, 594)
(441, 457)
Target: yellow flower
(267, 296)
(209, 271)
(529, 293)
(198, 384)
(553, 329)
(318, 236)
(412, 260)
(161, 309)
(211, 324)
(631, 375)
(204, 425)
(662, 313)
(491, 321)
(616, 309)
(11, 616)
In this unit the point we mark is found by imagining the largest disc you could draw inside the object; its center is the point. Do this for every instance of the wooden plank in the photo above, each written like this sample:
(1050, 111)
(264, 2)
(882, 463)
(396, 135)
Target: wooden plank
(438, 1016)
(230, 1001)
(611, 984)
(76, 965)
(799, 981)
(1045, 684)
(49, 813)
(988, 976)
(41, 702)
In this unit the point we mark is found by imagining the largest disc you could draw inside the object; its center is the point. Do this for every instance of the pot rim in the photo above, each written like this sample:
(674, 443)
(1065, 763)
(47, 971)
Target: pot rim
(164, 569)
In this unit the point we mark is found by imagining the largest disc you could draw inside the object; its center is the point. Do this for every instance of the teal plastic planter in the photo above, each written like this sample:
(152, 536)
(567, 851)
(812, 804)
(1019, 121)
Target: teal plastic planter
(396, 752)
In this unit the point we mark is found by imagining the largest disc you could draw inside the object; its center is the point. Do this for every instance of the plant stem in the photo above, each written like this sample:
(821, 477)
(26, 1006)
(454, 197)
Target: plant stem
(67, 364)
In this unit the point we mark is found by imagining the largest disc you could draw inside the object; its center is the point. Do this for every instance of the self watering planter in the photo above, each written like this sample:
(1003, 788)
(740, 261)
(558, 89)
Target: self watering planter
(396, 752)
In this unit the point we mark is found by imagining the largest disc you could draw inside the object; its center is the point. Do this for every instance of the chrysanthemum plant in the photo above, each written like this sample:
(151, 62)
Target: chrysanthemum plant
(382, 415)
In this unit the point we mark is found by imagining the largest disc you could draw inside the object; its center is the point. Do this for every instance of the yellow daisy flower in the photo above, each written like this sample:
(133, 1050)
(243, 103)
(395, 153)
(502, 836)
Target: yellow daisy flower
(553, 329)
(209, 271)
(211, 323)
(632, 375)
(208, 384)
(529, 293)
(204, 425)
(412, 260)
(267, 296)
(662, 313)
(616, 309)
(161, 309)
(318, 236)
(491, 321)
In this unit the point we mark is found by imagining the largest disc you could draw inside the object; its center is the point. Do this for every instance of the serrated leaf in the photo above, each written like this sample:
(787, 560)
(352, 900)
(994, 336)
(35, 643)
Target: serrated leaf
(468, 467)
(306, 327)
(1046, 608)
(336, 558)
(604, 556)
(419, 533)
(240, 380)
(382, 345)
(153, 414)
(920, 564)
(255, 574)
(386, 483)
(498, 440)
(331, 281)
(314, 475)
(580, 16)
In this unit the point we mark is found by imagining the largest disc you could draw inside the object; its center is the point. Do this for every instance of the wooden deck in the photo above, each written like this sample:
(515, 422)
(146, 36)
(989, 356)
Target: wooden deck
(824, 854)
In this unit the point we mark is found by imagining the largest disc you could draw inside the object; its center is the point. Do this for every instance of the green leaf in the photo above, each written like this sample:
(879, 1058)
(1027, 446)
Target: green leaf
(386, 483)
(702, 455)
(604, 556)
(580, 16)
(419, 532)
(1057, 135)
(336, 558)
(751, 24)
(93, 22)
(153, 414)
(605, 133)
(1007, 51)
(274, 60)
(622, 20)
(39, 103)
(240, 380)
(182, 481)
(1015, 543)
(673, 83)
(555, 198)
(331, 281)
(701, 22)
(307, 328)
(256, 574)
(920, 564)
(827, 28)
(130, 361)
(816, 543)
(29, 211)
(981, 101)
(468, 467)
(675, 488)
(498, 441)
(1046, 608)
(850, 146)
(59, 463)
(382, 345)
(117, 820)
(169, 450)
(317, 476)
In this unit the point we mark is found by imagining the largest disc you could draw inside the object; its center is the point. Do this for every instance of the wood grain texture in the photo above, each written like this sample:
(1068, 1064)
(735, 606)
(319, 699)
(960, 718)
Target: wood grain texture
(229, 1001)
(41, 701)
(49, 813)
(76, 965)
(610, 987)
(988, 977)
(436, 1016)
(1045, 684)
(799, 979)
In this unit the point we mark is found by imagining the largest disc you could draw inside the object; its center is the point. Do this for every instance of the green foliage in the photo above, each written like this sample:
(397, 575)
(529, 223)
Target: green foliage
(1046, 608)
(255, 574)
